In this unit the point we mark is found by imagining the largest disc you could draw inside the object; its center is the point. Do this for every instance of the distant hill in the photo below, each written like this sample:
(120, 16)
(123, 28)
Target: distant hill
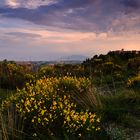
(74, 58)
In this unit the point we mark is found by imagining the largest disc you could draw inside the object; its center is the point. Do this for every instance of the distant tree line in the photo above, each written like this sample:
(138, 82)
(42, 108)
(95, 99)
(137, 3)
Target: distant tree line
(115, 66)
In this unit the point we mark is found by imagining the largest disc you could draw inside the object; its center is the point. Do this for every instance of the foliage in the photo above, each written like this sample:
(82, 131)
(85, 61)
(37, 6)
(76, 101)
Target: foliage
(13, 75)
(46, 71)
(46, 106)
(115, 133)
(10, 129)
(134, 82)
(59, 70)
(130, 120)
(63, 103)
(121, 106)
(133, 66)
(5, 94)
(112, 67)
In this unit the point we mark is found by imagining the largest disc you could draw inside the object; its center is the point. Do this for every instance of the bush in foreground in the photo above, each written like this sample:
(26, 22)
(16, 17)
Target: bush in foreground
(48, 109)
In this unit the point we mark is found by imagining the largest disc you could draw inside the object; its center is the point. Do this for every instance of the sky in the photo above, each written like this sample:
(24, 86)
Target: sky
(52, 29)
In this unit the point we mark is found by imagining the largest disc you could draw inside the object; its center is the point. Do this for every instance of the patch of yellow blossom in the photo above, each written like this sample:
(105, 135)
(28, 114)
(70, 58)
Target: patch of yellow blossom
(45, 105)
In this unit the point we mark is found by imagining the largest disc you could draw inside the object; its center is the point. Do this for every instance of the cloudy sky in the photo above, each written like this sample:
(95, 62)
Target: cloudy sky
(51, 29)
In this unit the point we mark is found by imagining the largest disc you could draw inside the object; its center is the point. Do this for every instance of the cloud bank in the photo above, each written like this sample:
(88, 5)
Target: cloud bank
(57, 27)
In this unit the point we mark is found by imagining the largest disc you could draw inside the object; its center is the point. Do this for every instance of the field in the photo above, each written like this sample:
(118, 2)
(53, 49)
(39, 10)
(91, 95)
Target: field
(98, 99)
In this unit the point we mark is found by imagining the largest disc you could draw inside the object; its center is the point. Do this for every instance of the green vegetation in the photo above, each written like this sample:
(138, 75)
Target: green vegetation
(99, 99)
(13, 75)
(48, 101)
(134, 82)
(5, 94)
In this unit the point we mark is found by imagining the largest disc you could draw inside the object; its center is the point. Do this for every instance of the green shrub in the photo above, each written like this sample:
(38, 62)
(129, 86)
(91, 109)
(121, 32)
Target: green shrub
(46, 71)
(115, 133)
(116, 107)
(134, 82)
(47, 108)
(130, 120)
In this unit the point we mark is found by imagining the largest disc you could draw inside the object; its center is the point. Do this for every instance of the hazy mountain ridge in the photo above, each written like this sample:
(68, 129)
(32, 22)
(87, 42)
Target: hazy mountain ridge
(74, 58)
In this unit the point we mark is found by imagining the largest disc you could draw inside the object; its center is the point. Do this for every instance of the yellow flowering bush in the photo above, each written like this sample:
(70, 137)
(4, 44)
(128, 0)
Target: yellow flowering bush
(48, 108)
(134, 82)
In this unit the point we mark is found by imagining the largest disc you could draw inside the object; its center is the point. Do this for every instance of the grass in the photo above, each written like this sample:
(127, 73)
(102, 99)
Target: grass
(90, 100)
(120, 105)
(121, 108)
(11, 126)
(8, 127)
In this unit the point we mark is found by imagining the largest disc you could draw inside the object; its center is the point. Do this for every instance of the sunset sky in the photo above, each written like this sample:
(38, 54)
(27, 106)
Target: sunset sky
(51, 29)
